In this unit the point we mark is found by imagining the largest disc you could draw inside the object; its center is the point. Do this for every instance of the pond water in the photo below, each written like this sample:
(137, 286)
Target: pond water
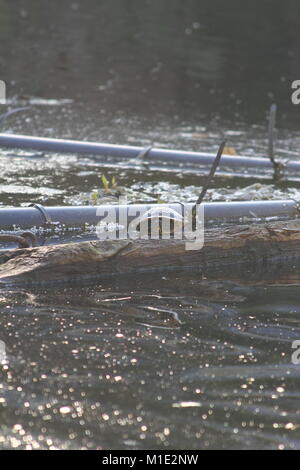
(165, 360)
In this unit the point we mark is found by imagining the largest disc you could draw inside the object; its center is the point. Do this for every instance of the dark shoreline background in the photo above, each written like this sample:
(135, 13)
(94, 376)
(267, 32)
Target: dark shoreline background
(192, 59)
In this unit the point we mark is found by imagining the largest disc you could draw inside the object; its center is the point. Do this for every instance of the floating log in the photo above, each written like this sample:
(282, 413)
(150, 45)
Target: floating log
(126, 152)
(236, 249)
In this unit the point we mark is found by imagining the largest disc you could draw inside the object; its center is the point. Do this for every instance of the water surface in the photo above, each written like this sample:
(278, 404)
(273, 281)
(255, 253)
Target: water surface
(167, 360)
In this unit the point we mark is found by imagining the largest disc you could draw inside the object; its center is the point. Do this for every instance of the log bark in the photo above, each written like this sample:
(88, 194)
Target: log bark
(232, 251)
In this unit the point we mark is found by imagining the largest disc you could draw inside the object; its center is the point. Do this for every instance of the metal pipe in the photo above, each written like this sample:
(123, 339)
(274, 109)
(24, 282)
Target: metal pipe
(128, 152)
(21, 218)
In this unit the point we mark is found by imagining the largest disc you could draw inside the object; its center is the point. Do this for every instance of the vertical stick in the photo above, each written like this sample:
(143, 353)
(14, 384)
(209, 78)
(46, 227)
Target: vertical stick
(272, 123)
(211, 173)
(277, 166)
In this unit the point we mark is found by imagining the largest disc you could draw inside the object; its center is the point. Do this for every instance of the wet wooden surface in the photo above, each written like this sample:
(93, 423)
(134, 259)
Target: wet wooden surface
(231, 250)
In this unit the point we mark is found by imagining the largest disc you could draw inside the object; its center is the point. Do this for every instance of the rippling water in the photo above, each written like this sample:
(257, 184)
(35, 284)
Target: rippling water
(164, 362)
(151, 361)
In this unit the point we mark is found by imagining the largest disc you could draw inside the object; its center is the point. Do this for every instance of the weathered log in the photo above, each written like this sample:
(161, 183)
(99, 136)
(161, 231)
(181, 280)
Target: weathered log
(231, 249)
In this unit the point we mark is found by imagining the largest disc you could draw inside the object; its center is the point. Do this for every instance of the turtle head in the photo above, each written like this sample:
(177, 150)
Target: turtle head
(162, 221)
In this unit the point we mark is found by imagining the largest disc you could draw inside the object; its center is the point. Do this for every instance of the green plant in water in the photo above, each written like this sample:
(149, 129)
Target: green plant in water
(105, 183)
(114, 183)
(94, 197)
(108, 185)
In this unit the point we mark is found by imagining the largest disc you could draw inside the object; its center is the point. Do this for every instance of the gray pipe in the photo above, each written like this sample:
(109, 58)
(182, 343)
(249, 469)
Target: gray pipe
(128, 152)
(37, 216)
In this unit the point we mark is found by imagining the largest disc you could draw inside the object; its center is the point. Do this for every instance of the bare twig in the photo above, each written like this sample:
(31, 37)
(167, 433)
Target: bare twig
(211, 173)
(144, 153)
(21, 240)
(272, 123)
(278, 166)
(140, 158)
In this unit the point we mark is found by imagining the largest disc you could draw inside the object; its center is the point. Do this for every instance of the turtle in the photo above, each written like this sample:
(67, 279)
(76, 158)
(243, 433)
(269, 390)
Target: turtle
(162, 221)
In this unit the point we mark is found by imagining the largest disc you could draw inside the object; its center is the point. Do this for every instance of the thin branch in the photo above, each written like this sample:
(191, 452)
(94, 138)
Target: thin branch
(277, 166)
(144, 153)
(272, 123)
(211, 173)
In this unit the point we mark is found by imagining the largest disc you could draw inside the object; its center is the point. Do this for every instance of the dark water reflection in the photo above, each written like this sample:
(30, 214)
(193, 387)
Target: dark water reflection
(186, 59)
(149, 361)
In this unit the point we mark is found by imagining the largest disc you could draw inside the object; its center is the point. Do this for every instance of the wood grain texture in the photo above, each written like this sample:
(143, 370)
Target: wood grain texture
(231, 249)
